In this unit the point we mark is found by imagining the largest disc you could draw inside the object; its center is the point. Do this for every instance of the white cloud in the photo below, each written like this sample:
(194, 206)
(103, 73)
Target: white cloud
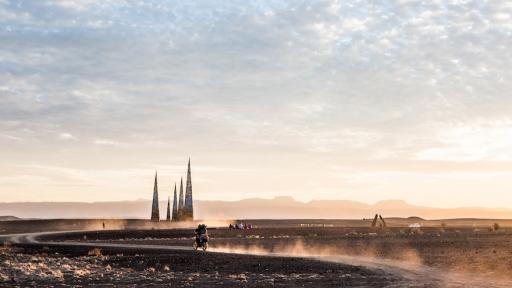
(106, 142)
(477, 141)
(354, 24)
(66, 136)
(76, 4)
(10, 137)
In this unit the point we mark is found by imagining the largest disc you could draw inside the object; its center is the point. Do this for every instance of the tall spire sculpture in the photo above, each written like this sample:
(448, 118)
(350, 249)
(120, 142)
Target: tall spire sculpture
(168, 216)
(175, 205)
(189, 206)
(155, 213)
(180, 204)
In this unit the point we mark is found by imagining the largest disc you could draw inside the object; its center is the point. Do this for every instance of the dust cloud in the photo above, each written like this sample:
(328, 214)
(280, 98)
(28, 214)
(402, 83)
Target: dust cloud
(406, 262)
(297, 248)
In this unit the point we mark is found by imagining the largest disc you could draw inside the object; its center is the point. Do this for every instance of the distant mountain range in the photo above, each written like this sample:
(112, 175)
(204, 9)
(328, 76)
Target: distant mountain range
(8, 218)
(254, 208)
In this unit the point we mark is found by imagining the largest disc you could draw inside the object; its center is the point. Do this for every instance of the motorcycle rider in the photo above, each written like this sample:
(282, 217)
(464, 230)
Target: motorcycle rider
(201, 234)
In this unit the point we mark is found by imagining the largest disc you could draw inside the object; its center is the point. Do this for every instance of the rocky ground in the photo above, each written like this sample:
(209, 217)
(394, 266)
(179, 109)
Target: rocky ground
(469, 250)
(266, 257)
(22, 268)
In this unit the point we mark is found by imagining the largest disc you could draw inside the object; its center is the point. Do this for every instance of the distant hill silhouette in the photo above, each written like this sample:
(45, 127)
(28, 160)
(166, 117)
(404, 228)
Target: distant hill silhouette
(8, 218)
(278, 208)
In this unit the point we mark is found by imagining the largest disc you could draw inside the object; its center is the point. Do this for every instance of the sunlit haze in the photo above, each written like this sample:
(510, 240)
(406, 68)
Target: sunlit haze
(353, 100)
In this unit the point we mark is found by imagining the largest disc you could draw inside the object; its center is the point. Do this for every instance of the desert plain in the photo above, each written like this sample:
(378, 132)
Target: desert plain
(409, 252)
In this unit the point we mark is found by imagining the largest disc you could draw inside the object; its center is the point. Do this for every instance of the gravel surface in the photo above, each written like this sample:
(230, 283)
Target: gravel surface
(25, 267)
(398, 257)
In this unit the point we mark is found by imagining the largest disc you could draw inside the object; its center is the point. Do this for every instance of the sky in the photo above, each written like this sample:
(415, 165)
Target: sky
(357, 100)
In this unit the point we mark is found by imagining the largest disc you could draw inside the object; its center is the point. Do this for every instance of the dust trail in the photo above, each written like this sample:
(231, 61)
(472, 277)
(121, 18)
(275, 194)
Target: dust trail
(410, 267)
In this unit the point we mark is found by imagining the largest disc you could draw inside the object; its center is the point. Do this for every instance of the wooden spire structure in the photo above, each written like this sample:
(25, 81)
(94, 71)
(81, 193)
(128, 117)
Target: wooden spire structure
(155, 212)
(189, 206)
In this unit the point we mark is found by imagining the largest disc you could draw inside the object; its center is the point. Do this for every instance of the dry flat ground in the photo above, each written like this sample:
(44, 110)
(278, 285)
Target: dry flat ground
(301, 256)
(22, 267)
(481, 252)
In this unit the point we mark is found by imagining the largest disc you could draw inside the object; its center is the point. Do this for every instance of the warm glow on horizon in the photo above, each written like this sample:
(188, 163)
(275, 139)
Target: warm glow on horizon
(344, 100)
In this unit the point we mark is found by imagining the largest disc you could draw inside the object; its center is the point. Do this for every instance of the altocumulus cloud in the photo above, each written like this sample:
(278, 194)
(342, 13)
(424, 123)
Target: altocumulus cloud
(330, 80)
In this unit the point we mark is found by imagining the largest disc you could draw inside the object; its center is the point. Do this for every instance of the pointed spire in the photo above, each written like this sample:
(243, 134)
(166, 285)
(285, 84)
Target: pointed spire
(189, 206)
(180, 203)
(168, 216)
(175, 205)
(155, 213)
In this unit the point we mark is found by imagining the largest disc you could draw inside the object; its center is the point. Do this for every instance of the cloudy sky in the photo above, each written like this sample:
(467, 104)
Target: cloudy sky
(313, 99)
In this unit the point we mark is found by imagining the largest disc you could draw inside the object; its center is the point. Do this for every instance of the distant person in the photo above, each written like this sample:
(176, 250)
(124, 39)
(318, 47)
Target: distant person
(201, 240)
(201, 233)
(230, 226)
(103, 225)
(201, 229)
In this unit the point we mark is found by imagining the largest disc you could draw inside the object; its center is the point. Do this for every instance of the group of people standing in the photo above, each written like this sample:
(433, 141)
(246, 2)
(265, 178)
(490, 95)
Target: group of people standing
(241, 225)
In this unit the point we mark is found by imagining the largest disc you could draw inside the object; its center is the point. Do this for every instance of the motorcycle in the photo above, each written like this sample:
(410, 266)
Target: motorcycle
(201, 241)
